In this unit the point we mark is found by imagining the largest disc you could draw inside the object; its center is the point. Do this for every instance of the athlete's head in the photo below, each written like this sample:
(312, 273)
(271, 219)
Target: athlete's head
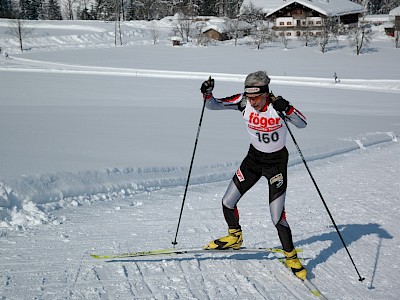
(259, 78)
(256, 89)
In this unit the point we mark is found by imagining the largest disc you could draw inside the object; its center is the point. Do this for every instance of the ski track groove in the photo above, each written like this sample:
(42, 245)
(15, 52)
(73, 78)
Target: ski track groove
(256, 280)
(281, 280)
(194, 287)
(142, 277)
(388, 86)
(127, 279)
(97, 277)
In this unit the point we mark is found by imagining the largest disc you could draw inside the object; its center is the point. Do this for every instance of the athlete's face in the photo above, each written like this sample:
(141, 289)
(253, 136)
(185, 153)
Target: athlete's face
(257, 101)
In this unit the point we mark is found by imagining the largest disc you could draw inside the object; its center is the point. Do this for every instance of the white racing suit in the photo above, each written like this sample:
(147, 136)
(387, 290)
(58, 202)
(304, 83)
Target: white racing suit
(267, 156)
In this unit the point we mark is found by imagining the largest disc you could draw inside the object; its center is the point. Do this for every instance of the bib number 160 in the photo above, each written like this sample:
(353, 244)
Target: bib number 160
(267, 138)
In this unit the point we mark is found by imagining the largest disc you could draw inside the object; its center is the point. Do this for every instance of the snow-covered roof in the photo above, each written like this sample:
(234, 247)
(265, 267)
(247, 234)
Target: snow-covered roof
(265, 5)
(176, 38)
(376, 18)
(220, 25)
(395, 11)
(215, 27)
(388, 25)
(325, 7)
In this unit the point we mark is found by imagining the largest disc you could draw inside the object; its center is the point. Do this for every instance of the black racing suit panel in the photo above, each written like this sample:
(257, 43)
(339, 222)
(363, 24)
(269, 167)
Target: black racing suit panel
(256, 164)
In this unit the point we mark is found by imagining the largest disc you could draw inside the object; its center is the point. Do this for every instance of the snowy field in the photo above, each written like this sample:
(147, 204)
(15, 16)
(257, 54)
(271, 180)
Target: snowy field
(96, 141)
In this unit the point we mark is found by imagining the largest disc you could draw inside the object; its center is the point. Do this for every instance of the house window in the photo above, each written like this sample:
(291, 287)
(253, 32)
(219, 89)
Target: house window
(281, 33)
(298, 33)
(310, 22)
(318, 33)
(289, 23)
(281, 23)
(288, 33)
(318, 22)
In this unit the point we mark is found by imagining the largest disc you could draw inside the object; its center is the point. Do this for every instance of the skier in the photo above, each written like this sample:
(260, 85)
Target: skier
(336, 78)
(267, 156)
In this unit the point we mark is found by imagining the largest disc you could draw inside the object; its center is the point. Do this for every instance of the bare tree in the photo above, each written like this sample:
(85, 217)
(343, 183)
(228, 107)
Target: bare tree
(236, 28)
(183, 26)
(306, 36)
(117, 29)
(252, 14)
(201, 39)
(359, 37)
(397, 32)
(154, 31)
(20, 31)
(263, 34)
(397, 38)
(284, 41)
(69, 9)
(328, 31)
(260, 30)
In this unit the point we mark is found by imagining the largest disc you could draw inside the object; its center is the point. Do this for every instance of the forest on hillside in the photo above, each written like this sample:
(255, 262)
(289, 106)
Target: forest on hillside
(110, 10)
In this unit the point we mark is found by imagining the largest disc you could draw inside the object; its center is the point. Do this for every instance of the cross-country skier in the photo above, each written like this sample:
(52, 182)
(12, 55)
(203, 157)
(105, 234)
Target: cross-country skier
(336, 78)
(267, 156)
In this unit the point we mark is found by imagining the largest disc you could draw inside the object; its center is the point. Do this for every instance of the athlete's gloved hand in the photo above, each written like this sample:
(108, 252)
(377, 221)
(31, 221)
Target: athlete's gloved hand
(207, 87)
(281, 104)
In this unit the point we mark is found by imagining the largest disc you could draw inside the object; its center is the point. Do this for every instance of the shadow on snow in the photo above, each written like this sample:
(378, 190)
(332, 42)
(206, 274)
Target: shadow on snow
(350, 233)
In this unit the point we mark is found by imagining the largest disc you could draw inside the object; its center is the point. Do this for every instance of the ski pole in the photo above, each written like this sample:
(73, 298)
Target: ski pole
(190, 171)
(320, 195)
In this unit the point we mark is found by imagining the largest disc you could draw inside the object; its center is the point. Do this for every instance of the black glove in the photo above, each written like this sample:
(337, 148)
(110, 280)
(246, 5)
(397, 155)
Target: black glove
(207, 86)
(281, 104)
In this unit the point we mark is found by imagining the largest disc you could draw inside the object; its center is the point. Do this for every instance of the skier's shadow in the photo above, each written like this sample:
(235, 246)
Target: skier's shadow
(350, 234)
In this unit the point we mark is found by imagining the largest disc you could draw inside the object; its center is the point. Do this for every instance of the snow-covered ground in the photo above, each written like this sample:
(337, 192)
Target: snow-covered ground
(96, 142)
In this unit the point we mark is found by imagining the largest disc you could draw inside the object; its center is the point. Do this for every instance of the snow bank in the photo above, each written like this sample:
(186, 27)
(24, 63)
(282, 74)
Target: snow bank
(26, 201)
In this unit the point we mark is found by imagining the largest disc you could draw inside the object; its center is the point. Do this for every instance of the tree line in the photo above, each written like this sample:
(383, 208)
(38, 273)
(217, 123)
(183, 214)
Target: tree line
(140, 9)
(106, 9)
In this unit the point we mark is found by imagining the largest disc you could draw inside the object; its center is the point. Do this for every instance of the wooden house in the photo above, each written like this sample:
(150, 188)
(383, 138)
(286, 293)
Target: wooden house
(215, 34)
(293, 18)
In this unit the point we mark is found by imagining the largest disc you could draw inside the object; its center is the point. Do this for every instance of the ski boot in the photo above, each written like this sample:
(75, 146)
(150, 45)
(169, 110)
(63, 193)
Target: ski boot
(294, 264)
(233, 240)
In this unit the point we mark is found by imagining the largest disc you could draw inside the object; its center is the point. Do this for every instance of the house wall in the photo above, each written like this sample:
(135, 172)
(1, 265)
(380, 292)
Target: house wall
(397, 22)
(291, 27)
(215, 35)
(292, 22)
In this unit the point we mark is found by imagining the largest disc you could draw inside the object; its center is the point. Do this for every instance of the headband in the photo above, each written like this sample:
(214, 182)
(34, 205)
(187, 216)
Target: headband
(250, 89)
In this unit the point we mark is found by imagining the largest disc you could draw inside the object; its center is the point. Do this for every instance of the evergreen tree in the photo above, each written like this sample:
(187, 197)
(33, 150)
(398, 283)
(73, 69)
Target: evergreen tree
(54, 10)
(208, 8)
(29, 9)
(6, 10)
(131, 11)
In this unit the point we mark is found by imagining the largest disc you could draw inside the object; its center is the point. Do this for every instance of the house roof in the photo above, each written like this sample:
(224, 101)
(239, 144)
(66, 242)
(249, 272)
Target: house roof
(213, 27)
(395, 11)
(265, 5)
(325, 7)
(375, 18)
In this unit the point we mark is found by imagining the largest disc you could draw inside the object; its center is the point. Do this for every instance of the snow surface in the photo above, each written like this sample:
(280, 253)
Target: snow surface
(96, 142)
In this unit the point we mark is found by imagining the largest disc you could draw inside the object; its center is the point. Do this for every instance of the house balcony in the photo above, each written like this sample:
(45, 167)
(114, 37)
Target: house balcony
(300, 28)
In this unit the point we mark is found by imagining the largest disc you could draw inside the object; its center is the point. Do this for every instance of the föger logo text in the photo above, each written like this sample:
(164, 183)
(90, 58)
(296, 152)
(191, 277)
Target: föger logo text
(264, 124)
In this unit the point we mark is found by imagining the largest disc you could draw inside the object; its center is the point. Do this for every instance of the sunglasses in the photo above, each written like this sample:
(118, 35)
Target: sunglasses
(255, 98)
